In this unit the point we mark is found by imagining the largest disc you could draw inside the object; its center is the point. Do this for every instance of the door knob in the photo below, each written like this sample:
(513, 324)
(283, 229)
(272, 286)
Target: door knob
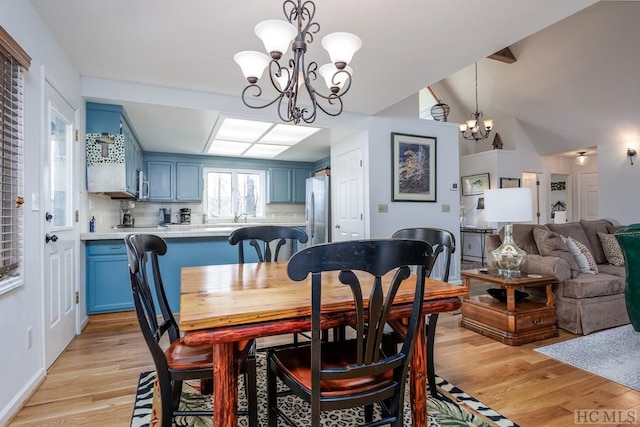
(53, 238)
(48, 217)
(337, 226)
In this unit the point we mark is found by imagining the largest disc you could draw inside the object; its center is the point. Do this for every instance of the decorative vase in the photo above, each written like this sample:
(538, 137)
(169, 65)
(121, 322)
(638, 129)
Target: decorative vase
(508, 257)
(629, 239)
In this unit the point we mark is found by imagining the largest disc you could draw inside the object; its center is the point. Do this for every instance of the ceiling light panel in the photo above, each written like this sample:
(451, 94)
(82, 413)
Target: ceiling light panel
(228, 148)
(288, 134)
(242, 130)
(265, 150)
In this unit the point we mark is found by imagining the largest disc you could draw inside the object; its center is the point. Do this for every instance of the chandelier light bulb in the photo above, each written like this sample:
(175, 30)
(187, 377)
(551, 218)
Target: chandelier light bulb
(488, 124)
(252, 64)
(341, 47)
(276, 35)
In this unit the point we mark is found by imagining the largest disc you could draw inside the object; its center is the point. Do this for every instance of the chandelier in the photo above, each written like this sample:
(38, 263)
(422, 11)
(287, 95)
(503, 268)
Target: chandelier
(293, 81)
(581, 160)
(476, 128)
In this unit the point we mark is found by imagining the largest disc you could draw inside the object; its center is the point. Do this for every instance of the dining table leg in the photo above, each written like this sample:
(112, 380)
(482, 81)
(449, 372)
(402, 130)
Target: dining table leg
(418, 377)
(225, 385)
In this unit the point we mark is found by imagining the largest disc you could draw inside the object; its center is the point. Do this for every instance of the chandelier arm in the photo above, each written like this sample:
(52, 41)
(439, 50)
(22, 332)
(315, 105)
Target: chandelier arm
(259, 89)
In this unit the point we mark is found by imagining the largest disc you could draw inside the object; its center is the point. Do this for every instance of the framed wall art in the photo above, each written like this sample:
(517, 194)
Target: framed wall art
(509, 182)
(413, 168)
(475, 184)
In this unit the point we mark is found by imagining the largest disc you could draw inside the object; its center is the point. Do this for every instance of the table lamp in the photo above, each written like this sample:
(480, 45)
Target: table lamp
(508, 205)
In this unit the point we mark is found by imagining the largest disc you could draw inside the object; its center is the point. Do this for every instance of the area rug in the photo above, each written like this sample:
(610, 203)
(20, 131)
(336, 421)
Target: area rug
(454, 408)
(612, 354)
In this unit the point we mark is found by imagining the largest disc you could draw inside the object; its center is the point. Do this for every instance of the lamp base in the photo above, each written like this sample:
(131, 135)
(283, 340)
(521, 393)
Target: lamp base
(508, 257)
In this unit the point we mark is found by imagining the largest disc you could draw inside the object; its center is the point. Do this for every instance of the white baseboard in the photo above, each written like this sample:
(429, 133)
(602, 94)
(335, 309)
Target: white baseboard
(21, 397)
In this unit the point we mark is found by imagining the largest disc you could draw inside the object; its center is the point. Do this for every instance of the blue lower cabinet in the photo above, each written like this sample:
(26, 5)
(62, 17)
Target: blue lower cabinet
(108, 285)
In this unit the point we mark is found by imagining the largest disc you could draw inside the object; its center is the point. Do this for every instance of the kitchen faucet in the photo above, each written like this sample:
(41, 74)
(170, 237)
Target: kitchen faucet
(236, 217)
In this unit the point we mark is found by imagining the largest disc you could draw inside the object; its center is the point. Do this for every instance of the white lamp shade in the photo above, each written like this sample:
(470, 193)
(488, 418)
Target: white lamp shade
(328, 71)
(341, 46)
(488, 124)
(276, 35)
(252, 63)
(508, 205)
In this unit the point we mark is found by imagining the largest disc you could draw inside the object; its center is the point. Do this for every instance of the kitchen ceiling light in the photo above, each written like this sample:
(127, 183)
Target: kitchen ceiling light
(287, 134)
(294, 83)
(228, 148)
(582, 160)
(242, 130)
(265, 150)
(476, 129)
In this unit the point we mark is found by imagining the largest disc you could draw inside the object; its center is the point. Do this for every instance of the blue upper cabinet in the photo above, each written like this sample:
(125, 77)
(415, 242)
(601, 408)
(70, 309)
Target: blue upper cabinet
(174, 181)
(287, 185)
(112, 168)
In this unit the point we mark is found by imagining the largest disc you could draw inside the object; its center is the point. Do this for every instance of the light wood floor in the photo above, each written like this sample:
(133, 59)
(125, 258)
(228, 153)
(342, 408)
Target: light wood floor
(94, 381)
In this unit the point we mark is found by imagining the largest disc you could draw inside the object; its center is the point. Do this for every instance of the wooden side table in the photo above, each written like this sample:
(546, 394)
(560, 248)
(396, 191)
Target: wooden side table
(510, 322)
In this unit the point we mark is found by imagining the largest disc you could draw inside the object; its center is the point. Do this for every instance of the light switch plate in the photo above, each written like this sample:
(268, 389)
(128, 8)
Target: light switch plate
(383, 208)
(446, 208)
(35, 202)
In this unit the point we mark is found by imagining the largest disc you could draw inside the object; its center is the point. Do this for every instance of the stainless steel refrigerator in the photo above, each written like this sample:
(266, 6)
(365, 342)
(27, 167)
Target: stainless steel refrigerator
(318, 209)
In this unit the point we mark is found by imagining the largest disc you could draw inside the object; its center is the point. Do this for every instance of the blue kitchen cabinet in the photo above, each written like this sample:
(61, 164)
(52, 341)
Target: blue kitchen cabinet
(286, 185)
(171, 181)
(104, 118)
(188, 182)
(108, 283)
(160, 175)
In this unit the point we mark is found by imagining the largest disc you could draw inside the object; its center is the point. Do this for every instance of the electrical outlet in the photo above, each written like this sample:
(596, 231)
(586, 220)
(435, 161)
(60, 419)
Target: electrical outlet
(29, 338)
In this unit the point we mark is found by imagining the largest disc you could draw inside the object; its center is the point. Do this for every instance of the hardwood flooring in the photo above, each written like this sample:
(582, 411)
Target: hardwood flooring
(93, 382)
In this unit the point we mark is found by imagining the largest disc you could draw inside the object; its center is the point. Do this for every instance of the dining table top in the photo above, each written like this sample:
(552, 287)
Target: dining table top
(216, 296)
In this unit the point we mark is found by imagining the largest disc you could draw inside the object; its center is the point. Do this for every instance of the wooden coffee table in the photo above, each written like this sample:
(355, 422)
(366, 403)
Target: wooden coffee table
(510, 322)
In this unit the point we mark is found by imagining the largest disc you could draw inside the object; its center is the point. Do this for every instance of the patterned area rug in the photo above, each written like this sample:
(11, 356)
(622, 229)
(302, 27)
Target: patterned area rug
(455, 408)
(612, 354)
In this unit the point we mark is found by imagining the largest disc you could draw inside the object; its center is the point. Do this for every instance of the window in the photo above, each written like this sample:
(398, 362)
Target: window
(233, 192)
(12, 62)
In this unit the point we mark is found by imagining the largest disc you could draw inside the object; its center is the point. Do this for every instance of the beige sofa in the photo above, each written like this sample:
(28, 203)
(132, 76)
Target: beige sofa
(584, 302)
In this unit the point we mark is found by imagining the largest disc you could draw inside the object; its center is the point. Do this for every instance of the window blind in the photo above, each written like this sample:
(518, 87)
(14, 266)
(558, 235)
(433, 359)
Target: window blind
(11, 166)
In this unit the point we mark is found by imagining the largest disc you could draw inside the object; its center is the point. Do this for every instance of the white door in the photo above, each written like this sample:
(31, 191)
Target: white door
(588, 196)
(348, 196)
(60, 258)
(532, 180)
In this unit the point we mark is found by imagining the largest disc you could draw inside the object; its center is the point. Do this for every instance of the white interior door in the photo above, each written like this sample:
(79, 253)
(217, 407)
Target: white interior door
(348, 196)
(532, 180)
(588, 196)
(60, 257)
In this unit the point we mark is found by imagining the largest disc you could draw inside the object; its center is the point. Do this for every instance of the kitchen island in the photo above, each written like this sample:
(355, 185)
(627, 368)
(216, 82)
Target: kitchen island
(107, 274)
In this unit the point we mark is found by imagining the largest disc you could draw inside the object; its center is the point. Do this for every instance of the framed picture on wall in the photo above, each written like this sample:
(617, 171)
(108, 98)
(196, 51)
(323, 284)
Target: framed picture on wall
(413, 168)
(509, 182)
(475, 184)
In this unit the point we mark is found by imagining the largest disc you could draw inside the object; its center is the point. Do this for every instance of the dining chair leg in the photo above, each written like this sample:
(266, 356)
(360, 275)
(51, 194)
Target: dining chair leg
(431, 336)
(272, 396)
(206, 386)
(368, 413)
(251, 390)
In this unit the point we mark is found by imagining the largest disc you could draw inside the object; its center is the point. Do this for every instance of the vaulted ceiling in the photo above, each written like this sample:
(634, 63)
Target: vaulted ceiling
(572, 85)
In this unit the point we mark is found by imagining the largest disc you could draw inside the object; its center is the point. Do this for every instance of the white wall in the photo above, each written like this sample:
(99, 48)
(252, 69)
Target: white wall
(618, 184)
(22, 369)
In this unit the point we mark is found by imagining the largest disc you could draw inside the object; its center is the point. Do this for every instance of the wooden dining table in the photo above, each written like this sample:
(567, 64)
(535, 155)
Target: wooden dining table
(221, 305)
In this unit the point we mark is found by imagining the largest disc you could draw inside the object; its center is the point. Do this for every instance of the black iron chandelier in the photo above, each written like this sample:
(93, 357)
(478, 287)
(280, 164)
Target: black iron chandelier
(476, 128)
(293, 82)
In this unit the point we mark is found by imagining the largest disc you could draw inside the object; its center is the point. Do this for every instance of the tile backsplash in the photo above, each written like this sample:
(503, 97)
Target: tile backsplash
(108, 214)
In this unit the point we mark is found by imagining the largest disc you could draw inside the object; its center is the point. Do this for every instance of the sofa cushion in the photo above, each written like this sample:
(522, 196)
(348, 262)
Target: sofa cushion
(570, 229)
(590, 286)
(611, 248)
(552, 244)
(591, 229)
(584, 259)
(612, 270)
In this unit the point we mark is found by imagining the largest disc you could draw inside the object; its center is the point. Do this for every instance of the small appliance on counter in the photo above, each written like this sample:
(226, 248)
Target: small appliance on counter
(185, 216)
(127, 217)
(165, 216)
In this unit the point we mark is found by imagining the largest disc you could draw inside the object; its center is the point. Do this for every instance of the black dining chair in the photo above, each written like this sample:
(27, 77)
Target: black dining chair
(261, 236)
(178, 362)
(356, 372)
(443, 243)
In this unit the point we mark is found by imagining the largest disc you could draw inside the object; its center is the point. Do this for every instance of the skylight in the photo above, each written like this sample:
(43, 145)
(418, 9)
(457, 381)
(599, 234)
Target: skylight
(249, 138)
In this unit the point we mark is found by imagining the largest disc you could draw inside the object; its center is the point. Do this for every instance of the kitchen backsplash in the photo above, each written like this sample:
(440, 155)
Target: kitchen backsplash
(108, 214)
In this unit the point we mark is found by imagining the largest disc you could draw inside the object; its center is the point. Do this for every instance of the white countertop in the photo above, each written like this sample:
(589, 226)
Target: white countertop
(176, 231)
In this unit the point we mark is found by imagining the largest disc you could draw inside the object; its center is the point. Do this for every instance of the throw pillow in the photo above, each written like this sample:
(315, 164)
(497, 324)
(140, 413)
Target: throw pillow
(612, 249)
(584, 259)
(552, 244)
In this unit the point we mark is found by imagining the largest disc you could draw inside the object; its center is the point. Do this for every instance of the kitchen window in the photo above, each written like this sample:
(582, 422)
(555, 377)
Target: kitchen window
(230, 193)
(13, 60)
